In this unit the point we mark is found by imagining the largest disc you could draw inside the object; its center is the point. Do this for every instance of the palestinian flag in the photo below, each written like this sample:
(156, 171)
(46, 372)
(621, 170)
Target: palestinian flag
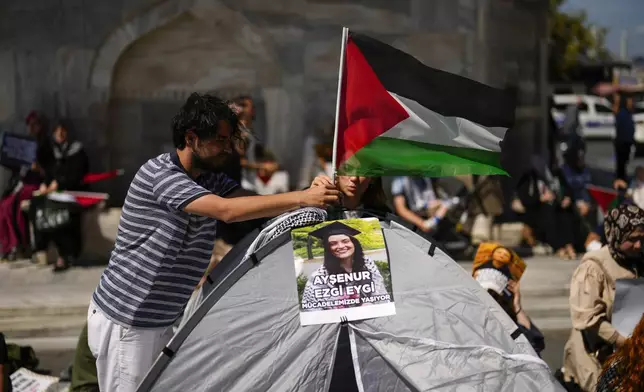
(397, 116)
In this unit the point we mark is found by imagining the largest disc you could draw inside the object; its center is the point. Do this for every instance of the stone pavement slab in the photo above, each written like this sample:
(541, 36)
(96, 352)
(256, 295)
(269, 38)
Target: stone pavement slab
(35, 302)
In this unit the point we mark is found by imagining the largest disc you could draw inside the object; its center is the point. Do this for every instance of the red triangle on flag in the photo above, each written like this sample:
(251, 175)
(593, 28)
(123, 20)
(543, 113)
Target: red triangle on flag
(603, 196)
(367, 110)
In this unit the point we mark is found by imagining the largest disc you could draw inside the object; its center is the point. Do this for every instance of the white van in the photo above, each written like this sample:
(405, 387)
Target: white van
(595, 114)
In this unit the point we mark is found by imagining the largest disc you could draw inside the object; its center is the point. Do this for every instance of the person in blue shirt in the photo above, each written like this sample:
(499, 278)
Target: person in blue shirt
(624, 133)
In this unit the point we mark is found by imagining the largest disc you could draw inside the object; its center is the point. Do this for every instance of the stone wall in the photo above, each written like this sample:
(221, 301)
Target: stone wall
(120, 69)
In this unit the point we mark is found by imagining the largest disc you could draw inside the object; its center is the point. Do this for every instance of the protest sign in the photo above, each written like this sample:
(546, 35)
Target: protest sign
(342, 271)
(628, 307)
(17, 150)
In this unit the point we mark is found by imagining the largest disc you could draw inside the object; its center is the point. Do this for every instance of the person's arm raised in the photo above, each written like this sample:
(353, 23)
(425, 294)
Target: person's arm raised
(253, 207)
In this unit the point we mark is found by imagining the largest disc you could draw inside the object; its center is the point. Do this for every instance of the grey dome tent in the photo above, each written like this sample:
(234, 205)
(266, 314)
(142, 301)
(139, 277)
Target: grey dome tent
(448, 334)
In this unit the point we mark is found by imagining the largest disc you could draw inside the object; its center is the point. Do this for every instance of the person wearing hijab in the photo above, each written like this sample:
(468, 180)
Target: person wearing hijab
(592, 294)
(70, 165)
(343, 256)
(547, 199)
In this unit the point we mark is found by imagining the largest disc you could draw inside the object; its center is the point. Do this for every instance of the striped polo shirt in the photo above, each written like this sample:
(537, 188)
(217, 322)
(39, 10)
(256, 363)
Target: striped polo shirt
(161, 251)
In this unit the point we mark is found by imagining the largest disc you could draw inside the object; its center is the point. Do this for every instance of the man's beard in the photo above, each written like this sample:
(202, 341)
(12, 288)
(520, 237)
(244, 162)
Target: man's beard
(209, 165)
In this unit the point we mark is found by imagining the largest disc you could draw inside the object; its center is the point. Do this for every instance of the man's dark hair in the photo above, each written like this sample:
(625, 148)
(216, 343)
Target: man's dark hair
(241, 99)
(201, 114)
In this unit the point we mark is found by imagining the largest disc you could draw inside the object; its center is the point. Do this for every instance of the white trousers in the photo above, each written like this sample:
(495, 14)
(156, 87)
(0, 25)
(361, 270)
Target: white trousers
(123, 355)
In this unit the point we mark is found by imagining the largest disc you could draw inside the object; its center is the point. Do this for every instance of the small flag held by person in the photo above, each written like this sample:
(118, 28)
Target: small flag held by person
(397, 116)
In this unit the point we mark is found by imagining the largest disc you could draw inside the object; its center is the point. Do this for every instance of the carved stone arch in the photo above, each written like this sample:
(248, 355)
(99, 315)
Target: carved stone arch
(148, 67)
(122, 38)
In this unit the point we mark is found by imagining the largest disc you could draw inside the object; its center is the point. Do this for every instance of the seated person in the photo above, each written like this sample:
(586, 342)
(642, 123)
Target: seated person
(548, 208)
(496, 278)
(67, 172)
(416, 201)
(267, 180)
(14, 230)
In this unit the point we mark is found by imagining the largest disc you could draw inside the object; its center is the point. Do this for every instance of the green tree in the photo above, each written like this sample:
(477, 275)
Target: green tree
(572, 38)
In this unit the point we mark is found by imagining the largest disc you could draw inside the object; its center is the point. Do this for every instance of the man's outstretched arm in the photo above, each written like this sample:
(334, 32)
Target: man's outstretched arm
(239, 209)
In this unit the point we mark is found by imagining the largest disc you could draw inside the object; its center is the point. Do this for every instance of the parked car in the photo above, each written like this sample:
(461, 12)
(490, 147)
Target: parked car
(595, 114)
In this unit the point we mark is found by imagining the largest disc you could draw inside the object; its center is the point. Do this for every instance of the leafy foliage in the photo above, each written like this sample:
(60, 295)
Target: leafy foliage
(571, 37)
(370, 237)
(383, 267)
(301, 283)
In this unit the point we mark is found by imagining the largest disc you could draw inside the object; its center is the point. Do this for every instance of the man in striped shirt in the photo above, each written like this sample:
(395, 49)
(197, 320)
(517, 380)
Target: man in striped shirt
(165, 240)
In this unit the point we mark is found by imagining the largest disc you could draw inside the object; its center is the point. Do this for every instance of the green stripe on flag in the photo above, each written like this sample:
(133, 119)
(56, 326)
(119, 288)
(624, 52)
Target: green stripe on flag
(397, 157)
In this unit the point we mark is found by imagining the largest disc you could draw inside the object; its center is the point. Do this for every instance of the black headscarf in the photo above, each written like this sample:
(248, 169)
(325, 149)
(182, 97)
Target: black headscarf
(620, 222)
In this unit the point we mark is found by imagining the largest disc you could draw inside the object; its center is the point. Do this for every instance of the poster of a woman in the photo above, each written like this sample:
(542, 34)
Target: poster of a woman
(348, 283)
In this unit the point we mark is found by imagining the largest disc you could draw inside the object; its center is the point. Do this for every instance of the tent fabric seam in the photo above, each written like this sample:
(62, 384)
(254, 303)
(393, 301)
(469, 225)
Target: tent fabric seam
(445, 345)
(354, 359)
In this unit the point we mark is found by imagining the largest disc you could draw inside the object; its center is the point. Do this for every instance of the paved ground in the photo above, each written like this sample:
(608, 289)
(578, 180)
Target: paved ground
(601, 153)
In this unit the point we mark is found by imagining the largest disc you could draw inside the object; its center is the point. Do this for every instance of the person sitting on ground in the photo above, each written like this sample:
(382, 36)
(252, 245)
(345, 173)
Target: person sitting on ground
(592, 295)
(416, 200)
(267, 180)
(14, 230)
(624, 370)
(496, 278)
(547, 201)
(66, 173)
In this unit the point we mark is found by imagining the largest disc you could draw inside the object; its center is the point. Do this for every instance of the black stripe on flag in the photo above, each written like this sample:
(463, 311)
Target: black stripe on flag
(442, 92)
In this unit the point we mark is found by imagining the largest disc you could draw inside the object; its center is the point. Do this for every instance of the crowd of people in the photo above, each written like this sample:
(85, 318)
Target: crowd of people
(221, 176)
(60, 165)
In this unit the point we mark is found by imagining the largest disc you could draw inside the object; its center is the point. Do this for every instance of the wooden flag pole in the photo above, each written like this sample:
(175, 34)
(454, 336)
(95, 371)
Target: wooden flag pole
(345, 36)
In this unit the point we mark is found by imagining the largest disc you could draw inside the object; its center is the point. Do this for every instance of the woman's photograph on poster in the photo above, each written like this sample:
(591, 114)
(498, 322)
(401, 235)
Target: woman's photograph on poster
(342, 271)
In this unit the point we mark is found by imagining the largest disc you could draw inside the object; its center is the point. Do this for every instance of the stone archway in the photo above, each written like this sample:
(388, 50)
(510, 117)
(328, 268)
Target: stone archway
(206, 47)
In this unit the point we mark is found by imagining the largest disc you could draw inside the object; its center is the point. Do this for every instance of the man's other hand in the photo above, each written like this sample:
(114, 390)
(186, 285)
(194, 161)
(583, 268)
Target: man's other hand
(320, 196)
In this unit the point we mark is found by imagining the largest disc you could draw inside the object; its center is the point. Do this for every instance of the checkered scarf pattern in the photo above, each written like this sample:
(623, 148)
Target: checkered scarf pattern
(303, 217)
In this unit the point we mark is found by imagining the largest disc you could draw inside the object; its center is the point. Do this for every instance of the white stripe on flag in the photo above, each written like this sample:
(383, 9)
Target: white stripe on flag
(426, 126)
